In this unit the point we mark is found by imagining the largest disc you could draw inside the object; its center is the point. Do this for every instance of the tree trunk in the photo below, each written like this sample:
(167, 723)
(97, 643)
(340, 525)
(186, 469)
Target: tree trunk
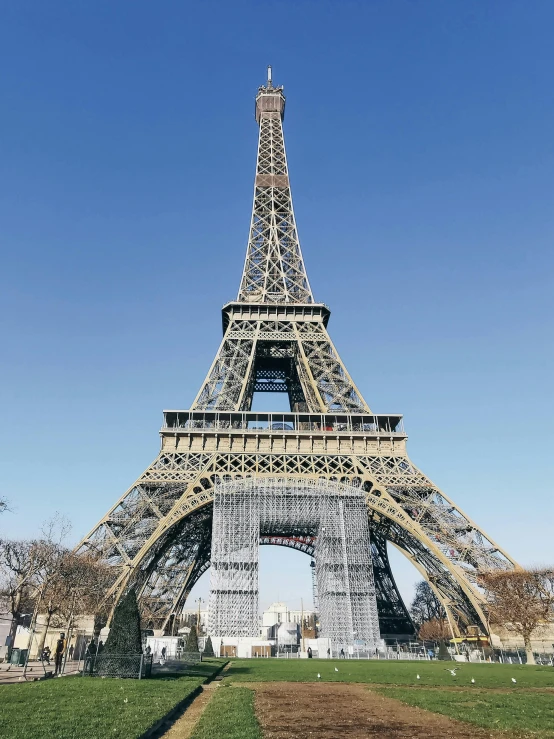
(45, 632)
(529, 651)
(100, 622)
(16, 603)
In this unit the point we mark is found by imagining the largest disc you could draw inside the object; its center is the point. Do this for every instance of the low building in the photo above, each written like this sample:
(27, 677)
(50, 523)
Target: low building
(279, 613)
(5, 623)
(542, 640)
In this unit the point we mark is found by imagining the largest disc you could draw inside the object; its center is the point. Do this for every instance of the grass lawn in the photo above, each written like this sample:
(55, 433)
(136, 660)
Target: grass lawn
(493, 701)
(524, 712)
(390, 672)
(229, 714)
(93, 708)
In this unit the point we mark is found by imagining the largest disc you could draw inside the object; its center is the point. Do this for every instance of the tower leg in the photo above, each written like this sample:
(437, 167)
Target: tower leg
(233, 607)
(394, 619)
(347, 602)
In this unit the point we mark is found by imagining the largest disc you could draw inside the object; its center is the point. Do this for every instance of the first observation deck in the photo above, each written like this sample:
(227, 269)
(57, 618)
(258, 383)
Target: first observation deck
(307, 433)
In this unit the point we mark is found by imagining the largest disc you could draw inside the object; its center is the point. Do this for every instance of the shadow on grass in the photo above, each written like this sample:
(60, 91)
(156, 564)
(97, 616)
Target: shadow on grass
(174, 671)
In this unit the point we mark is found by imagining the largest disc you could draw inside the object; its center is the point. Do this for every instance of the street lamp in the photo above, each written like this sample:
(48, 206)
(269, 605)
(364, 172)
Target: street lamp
(198, 625)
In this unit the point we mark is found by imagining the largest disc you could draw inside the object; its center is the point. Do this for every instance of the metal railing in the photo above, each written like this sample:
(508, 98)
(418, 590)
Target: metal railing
(117, 665)
(284, 423)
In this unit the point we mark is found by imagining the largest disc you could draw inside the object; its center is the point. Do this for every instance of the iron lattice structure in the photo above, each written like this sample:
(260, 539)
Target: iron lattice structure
(332, 515)
(275, 339)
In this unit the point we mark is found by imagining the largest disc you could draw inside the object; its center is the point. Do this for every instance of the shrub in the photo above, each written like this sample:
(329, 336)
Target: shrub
(208, 648)
(192, 640)
(125, 636)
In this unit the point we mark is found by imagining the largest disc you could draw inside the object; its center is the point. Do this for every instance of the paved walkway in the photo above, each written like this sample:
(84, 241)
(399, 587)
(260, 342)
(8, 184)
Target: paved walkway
(13, 674)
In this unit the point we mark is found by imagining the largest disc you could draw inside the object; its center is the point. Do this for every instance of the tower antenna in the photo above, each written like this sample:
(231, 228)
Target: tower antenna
(269, 76)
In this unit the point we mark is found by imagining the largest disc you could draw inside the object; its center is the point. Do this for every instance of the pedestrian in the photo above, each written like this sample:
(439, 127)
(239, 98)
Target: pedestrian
(100, 647)
(148, 650)
(89, 657)
(71, 650)
(342, 655)
(46, 655)
(329, 653)
(58, 654)
(309, 653)
(164, 652)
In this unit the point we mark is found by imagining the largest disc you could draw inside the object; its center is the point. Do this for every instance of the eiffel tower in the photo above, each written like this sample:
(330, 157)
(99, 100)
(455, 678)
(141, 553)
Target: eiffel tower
(158, 536)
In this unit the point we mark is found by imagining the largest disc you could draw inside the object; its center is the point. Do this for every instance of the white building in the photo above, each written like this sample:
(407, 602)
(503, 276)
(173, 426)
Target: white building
(278, 613)
(5, 622)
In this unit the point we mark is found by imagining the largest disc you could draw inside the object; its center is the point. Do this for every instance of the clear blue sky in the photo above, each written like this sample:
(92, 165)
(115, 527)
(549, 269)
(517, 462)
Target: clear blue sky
(420, 142)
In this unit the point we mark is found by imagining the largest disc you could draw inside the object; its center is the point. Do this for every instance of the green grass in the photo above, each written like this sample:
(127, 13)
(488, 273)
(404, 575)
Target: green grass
(205, 669)
(229, 714)
(94, 708)
(523, 712)
(390, 673)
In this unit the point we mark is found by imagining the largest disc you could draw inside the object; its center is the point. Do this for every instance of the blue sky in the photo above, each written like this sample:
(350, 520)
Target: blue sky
(419, 137)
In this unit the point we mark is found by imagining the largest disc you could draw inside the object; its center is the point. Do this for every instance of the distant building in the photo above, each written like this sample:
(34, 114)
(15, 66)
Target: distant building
(278, 613)
(278, 620)
(189, 617)
(5, 621)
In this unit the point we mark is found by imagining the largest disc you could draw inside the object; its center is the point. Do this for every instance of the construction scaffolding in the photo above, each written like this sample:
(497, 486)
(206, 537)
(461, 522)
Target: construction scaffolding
(233, 608)
(334, 513)
(344, 574)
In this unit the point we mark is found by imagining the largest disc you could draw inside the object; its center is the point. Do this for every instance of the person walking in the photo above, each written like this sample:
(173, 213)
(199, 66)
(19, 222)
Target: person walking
(164, 652)
(70, 652)
(342, 655)
(329, 653)
(310, 653)
(89, 657)
(58, 654)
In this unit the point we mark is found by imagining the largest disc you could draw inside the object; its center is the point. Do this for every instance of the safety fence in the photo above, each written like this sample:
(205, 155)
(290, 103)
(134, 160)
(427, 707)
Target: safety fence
(118, 665)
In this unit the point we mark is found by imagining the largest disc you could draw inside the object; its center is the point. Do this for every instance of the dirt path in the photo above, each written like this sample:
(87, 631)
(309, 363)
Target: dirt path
(183, 727)
(348, 711)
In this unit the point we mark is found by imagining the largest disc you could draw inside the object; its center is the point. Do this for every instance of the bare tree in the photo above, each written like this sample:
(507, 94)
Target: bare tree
(522, 601)
(425, 605)
(27, 565)
(74, 585)
(44, 576)
(51, 590)
(79, 587)
(20, 564)
(436, 629)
